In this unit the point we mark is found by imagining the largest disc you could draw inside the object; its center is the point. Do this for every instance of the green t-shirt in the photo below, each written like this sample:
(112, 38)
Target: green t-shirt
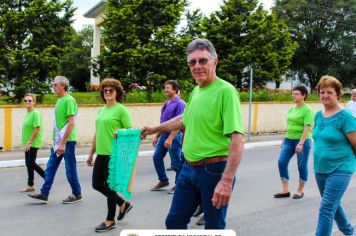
(109, 119)
(66, 106)
(297, 119)
(32, 120)
(213, 112)
(332, 149)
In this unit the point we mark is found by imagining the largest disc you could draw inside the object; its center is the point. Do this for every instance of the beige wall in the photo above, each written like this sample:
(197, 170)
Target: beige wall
(271, 118)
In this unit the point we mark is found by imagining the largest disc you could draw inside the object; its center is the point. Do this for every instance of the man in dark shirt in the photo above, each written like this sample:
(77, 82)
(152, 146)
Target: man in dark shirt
(168, 142)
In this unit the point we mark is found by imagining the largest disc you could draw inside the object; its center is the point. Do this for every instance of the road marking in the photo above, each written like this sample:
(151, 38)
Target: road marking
(82, 158)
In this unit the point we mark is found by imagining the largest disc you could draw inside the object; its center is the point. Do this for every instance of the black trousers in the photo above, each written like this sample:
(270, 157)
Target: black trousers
(100, 177)
(30, 160)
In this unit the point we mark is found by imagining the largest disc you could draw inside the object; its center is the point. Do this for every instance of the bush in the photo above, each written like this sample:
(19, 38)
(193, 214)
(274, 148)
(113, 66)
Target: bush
(81, 98)
(266, 95)
(4, 100)
(136, 96)
(139, 96)
(158, 97)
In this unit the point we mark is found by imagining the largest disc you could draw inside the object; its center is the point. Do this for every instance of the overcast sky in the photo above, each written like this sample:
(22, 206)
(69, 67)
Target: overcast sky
(208, 6)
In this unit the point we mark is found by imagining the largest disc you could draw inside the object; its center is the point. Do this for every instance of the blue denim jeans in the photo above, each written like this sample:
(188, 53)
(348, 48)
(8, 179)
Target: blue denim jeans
(287, 152)
(332, 188)
(196, 186)
(71, 169)
(175, 152)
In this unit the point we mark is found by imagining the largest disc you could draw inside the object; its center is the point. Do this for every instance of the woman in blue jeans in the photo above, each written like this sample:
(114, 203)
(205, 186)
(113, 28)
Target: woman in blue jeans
(334, 156)
(297, 140)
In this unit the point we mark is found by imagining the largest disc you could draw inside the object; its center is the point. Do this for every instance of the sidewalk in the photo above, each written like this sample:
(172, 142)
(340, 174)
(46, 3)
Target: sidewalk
(16, 158)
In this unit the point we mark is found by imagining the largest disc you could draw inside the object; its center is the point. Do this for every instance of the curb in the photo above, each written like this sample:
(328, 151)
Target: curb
(82, 158)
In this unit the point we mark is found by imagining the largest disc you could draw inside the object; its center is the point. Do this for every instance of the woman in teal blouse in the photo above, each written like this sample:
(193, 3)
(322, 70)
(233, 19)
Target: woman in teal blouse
(334, 156)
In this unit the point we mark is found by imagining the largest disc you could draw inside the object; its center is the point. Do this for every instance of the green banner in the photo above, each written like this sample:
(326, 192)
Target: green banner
(122, 161)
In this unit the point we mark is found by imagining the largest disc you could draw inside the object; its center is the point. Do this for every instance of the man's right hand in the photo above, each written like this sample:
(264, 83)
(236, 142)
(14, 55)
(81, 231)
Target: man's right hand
(90, 160)
(147, 130)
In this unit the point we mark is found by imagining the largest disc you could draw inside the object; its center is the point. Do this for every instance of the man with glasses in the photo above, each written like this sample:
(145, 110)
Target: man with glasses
(168, 142)
(212, 146)
(64, 140)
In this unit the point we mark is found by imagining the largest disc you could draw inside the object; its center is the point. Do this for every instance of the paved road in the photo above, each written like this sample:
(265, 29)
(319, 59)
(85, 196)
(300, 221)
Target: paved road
(252, 212)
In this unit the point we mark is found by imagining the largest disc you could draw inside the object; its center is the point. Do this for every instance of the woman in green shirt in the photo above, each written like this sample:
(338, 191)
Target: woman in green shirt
(109, 118)
(32, 140)
(296, 141)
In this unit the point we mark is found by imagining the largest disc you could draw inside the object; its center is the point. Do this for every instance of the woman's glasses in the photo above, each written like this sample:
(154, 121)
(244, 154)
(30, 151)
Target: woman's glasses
(109, 90)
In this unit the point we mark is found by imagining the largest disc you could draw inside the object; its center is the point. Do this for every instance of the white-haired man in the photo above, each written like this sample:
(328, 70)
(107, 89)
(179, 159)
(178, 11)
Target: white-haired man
(64, 140)
(212, 146)
(351, 105)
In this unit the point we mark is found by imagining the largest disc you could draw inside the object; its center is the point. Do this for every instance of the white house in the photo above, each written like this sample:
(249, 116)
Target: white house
(96, 13)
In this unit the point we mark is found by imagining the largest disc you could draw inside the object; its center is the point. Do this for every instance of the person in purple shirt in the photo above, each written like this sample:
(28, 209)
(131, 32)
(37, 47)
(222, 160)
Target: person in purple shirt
(168, 142)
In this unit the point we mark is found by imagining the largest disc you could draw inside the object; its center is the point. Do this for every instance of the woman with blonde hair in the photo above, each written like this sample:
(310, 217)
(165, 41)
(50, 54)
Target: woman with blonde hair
(109, 118)
(334, 156)
(32, 128)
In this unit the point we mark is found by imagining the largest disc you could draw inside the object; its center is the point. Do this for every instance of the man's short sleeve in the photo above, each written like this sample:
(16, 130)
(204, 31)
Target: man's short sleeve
(180, 108)
(71, 108)
(184, 115)
(231, 112)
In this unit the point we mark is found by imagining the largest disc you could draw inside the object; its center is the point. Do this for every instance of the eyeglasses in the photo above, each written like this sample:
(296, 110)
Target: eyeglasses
(109, 90)
(296, 94)
(201, 61)
(27, 101)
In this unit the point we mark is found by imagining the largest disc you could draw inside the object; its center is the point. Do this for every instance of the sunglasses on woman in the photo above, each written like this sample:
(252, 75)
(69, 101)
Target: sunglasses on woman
(109, 90)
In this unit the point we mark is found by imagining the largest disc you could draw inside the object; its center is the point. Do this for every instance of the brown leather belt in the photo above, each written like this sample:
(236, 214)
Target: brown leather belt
(207, 161)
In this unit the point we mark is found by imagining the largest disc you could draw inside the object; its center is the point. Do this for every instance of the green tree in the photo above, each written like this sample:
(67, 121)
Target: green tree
(246, 35)
(33, 36)
(75, 63)
(326, 33)
(193, 28)
(141, 44)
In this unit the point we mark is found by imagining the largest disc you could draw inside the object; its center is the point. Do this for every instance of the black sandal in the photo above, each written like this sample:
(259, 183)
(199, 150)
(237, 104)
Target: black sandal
(127, 208)
(103, 228)
(297, 196)
(282, 195)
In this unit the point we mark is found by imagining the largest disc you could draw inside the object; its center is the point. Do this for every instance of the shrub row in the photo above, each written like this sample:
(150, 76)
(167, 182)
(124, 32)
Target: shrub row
(137, 96)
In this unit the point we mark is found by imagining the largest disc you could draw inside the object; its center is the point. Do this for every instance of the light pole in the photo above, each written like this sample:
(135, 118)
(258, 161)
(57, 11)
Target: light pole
(245, 70)
(250, 105)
